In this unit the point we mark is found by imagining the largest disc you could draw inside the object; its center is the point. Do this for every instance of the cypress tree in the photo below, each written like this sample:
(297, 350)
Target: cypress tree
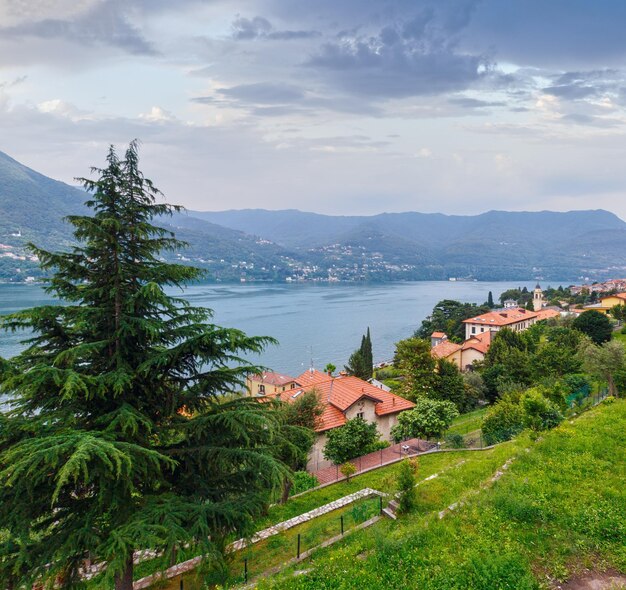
(117, 435)
(490, 300)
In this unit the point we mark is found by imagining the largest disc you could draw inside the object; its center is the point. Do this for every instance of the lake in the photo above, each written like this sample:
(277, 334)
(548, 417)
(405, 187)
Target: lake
(313, 323)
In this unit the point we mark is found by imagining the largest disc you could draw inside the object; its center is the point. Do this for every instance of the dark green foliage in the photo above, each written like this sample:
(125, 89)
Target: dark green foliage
(428, 419)
(539, 412)
(619, 312)
(355, 438)
(416, 364)
(361, 361)
(117, 437)
(303, 481)
(447, 316)
(451, 387)
(490, 303)
(595, 325)
(503, 421)
(406, 486)
(455, 441)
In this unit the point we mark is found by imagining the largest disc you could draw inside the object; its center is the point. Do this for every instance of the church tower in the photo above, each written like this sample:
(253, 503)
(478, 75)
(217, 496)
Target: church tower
(537, 298)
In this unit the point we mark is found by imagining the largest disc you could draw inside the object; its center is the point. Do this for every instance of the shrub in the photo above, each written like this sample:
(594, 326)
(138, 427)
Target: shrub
(455, 441)
(377, 445)
(303, 481)
(539, 412)
(428, 419)
(503, 421)
(351, 440)
(406, 486)
(348, 470)
(608, 400)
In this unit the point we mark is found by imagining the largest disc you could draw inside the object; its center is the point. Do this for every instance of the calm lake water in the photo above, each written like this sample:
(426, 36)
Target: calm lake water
(319, 322)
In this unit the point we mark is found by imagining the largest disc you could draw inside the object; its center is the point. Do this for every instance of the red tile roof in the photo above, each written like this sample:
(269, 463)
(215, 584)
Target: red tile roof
(479, 342)
(438, 335)
(340, 393)
(444, 349)
(272, 378)
(618, 295)
(502, 318)
(546, 314)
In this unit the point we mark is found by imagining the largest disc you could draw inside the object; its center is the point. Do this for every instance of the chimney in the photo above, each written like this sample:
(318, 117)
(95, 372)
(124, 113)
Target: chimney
(393, 400)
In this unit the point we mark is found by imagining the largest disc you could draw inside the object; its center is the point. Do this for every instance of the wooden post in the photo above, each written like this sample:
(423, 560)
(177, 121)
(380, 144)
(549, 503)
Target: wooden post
(342, 524)
(380, 502)
(182, 584)
(298, 545)
(245, 570)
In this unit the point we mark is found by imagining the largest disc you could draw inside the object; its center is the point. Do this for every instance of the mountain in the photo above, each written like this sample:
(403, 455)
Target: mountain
(257, 244)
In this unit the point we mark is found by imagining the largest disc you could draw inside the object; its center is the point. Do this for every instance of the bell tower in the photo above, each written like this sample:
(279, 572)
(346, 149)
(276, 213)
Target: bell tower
(537, 298)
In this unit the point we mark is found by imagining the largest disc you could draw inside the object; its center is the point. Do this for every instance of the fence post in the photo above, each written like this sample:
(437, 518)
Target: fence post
(245, 570)
(381, 456)
(342, 525)
(380, 504)
(182, 585)
(337, 471)
(298, 545)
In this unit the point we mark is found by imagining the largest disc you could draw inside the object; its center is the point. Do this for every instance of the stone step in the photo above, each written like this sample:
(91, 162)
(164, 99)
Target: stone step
(394, 505)
(390, 513)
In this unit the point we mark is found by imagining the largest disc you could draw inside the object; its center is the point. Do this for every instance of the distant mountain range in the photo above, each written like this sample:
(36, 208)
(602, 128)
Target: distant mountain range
(257, 244)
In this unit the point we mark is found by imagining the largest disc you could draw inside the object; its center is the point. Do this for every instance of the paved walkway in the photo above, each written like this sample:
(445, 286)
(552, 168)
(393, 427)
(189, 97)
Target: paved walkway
(386, 456)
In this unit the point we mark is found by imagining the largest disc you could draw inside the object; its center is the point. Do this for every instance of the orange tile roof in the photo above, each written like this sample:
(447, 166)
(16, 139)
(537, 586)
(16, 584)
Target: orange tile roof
(618, 295)
(337, 394)
(438, 335)
(444, 349)
(272, 378)
(546, 314)
(479, 342)
(502, 318)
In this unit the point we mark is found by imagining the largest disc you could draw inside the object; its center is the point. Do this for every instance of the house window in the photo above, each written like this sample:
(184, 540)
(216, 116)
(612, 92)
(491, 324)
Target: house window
(473, 329)
(293, 386)
(261, 388)
(360, 415)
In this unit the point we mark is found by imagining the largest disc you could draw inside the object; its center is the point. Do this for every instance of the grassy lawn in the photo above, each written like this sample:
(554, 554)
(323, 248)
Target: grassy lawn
(559, 508)
(619, 336)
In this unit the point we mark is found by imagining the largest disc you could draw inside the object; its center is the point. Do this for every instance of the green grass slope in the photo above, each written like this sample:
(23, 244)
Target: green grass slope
(561, 506)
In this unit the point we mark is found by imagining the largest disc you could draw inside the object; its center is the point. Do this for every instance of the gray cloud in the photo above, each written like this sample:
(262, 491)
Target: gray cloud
(263, 92)
(258, 27)
(103, 24)
(474, 103)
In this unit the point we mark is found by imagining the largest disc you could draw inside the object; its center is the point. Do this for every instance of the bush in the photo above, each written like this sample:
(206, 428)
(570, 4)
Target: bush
(428, 419)
(455, 441)
(608, 400)
(348, 470)
(503, 421)
(351, 440)
(539, 412)
(303, 481)
(377, 445)
(406, 486)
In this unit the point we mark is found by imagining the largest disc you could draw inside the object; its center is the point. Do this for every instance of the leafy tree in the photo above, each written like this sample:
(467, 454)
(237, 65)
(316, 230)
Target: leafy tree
(490, 303)
(595, 325)
(348, 470)
(417, 366)
(539, 412)
(450, 385)
(619, 313)
(475, 389)
(355, 438)
(428, 419)
(605, 361)
(447, 316)
(367, 354)
(330, 368)
(118, 437)
(300, 419)
(407, 494)
(503, 421)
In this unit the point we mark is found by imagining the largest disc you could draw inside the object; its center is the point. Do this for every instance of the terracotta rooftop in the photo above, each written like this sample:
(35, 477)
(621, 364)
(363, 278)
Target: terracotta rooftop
(546, 314)
(438, 335)
(479, 342)
(340, 393)
(272, 378)
(618, 295)
(444, 349)
(504, 317)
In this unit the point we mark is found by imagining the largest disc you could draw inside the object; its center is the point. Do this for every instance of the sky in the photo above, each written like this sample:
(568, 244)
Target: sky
(335, 106)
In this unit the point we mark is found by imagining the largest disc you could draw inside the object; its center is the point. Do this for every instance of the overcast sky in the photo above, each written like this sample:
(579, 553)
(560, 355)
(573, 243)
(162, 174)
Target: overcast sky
(333, 106)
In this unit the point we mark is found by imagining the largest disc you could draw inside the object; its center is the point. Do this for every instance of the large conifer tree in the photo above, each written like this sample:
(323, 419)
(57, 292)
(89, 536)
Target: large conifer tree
(117, 436)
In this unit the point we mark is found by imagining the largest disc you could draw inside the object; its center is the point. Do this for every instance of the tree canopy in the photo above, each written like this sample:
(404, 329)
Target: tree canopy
(595, 325)
(355, 438)
(361, 361)
(447, 316)
(118, 436)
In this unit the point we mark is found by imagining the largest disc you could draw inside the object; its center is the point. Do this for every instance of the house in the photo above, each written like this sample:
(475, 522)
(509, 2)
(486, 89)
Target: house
(607, 303)
(517, 319)
(463, 355)
(548, 314)
(269, 383)
(344, 398)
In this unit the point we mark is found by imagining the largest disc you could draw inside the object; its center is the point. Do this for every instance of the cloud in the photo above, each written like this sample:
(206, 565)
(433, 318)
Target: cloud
(264, 93)
(474, 103)
(94, 23)
(413, 57)
(258, 27)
